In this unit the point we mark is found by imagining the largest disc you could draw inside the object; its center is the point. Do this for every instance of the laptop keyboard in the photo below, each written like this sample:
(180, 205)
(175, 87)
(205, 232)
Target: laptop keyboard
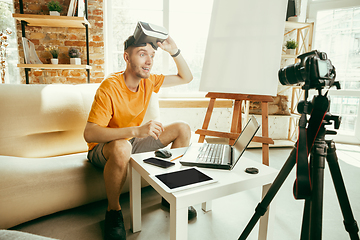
(211, 153)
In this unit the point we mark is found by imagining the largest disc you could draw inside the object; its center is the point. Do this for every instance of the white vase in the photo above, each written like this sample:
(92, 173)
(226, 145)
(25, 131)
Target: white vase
(76, 61)
(293, 19)
(54, 61)
(54, 13)
(291, 51)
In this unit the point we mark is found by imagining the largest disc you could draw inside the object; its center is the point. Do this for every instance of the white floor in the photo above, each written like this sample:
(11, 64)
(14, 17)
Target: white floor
(229, 215)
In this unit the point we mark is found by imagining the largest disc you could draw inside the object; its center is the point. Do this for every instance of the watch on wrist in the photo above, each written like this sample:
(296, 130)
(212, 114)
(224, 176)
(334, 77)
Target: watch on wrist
(176, 54)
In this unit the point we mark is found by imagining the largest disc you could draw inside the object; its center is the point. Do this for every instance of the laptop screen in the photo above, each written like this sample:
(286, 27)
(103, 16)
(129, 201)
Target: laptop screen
(245, 138)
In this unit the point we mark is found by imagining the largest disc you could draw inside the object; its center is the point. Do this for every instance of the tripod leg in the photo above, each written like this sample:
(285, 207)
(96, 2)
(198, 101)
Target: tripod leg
(305, 227)
(316, 208)
(261, 208)
(349, 221)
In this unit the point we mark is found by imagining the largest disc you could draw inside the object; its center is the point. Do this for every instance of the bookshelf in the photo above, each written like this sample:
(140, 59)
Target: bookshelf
(304, 36)
(52, 21)
(34, 20)
(54, 66)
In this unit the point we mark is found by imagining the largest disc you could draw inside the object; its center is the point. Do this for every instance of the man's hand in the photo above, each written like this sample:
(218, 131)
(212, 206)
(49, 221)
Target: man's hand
(151, 128)
(168, 45)
(184, 74)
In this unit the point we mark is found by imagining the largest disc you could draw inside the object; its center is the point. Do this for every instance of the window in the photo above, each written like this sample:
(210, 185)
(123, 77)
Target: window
(337, 33)
(122, 17)
(188, 26)
(12, 57)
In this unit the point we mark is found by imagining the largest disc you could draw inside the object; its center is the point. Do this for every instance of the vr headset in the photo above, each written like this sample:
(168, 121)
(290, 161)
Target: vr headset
(146, 33)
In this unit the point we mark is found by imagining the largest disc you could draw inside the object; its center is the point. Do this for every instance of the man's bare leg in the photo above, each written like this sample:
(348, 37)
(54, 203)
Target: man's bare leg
(178, 133)
(117, 154)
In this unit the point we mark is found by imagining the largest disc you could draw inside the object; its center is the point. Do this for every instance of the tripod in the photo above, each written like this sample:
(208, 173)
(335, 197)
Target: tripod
(312, 215)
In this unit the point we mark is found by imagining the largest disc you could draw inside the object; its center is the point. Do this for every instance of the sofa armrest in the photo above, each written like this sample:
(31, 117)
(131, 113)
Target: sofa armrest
(153, 110)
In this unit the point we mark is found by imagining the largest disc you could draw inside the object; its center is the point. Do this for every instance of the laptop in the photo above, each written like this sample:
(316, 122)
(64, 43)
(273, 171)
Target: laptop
(220, 156)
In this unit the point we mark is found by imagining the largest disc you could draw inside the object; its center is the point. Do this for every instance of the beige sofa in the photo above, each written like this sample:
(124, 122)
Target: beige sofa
(43, 164)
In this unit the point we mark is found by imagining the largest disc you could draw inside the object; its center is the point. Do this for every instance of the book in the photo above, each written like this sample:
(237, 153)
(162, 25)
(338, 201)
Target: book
(71, 8)
(26, 50)
(75, 8)
(81, 8)
(29, 52)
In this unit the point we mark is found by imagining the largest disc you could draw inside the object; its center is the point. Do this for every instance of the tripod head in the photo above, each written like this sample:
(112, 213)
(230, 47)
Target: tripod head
(312, 132)
(329, 119)
(307, 107)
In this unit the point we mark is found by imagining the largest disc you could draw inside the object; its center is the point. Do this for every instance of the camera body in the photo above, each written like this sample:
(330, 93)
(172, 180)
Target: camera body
(314, 69)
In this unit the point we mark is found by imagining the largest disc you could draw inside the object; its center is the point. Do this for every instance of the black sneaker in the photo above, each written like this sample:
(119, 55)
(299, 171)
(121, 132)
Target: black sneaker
(191, 210)
(114, 226)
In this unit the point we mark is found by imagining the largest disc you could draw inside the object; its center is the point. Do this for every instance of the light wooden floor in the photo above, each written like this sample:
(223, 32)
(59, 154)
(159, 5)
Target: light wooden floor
(229, 215)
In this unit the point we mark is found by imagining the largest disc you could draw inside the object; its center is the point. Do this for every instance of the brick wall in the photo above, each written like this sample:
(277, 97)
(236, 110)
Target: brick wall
(64, 38)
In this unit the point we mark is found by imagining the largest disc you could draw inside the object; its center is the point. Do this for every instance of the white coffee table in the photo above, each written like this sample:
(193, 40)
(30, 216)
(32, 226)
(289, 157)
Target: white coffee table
(229, 182)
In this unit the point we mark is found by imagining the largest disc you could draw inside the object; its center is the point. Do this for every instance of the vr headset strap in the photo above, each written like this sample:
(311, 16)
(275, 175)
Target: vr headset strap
(302, 185)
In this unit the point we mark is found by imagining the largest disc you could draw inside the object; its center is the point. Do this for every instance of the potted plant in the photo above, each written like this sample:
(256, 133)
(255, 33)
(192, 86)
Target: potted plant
(291, 46)
(74, 55)
(54, 53)
(54, 8)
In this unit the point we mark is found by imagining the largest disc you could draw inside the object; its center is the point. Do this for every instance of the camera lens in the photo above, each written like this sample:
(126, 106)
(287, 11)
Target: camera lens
(291, 74)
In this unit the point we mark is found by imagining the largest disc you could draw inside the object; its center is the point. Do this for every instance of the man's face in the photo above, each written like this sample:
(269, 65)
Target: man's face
(140, 60)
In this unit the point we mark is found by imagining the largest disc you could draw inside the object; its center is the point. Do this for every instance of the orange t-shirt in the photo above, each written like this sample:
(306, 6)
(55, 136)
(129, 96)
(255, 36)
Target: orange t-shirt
(115, 106)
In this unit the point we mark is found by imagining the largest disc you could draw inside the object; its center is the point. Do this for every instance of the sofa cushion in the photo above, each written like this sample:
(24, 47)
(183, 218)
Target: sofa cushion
(16, 235)
(153, 110)
(31, 188)
(44, 120)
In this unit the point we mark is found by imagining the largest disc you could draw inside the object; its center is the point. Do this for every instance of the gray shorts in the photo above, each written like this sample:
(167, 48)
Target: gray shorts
(139, 145)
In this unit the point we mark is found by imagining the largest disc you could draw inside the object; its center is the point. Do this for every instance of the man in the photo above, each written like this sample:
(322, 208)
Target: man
(113, 131)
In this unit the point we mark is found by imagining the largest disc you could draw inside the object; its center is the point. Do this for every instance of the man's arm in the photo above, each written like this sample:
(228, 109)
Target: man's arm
(95, 133)
(184, 74)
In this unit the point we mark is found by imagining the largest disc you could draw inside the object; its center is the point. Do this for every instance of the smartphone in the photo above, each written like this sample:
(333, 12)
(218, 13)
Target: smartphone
(159, 162)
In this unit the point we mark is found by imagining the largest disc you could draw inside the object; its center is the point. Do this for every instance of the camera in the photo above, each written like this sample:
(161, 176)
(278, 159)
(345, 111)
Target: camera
(314, 69)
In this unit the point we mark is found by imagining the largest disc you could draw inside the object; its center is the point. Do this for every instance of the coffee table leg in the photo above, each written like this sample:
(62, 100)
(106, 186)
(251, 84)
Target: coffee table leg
(178, 223)
(135, 199)
(266, 222)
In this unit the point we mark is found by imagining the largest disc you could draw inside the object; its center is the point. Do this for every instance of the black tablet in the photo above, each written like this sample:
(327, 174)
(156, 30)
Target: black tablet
(182, 179)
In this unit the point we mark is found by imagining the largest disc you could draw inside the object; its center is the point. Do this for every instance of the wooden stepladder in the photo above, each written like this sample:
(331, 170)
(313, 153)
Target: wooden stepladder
(236, 124)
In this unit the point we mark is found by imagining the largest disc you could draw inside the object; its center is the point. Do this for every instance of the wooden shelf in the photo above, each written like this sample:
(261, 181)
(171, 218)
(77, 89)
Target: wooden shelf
(296, 25)
(289, 56)
(52, 21)
(54, 66)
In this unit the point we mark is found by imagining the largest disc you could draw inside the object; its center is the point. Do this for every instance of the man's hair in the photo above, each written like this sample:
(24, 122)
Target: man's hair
(130, 43)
